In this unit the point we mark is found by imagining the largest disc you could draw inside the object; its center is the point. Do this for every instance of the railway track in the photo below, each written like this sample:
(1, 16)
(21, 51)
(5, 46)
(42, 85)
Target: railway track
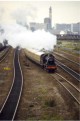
(4, 54)
(64, 67)
(69, 55)
(69, 63)
(9, 108)
(72, 89)
(67, 58)
(68, 70)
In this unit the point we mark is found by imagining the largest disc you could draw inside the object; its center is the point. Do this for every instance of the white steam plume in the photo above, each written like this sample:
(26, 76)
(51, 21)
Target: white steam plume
(1, 13)
(19, 35)
(23, 15)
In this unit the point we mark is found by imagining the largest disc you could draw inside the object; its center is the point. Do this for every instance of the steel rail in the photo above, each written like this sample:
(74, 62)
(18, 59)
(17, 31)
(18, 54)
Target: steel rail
(67, 88)
(4, 55)
(68, 70)
(10, 88)
(67, 58)
(9, 108)
(69, 82)
(69, 54)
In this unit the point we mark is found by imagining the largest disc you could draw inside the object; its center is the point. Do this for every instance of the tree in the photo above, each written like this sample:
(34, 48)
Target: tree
(5, 42)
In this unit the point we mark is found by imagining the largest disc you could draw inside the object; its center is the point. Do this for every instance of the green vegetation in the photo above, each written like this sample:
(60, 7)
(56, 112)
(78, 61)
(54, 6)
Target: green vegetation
(46, 117)
(50, 103)
(70, 46)
(52, 117)
(74, 45)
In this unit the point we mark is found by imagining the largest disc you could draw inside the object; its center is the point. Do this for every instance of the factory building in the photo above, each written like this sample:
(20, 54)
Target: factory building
(50, 16)
(75, 28)
(47, 25)
(35, 26)
(72, 28)
(48, 21)
(63, 27)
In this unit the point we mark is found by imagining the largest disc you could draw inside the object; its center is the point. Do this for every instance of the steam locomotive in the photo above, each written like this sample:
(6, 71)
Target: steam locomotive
(45, 60)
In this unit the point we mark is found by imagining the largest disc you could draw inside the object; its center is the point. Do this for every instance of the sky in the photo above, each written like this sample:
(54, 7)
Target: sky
(36, 11)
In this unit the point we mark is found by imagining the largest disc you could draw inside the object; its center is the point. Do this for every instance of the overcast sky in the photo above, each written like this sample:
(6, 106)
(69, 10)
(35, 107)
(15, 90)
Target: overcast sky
(36, 11)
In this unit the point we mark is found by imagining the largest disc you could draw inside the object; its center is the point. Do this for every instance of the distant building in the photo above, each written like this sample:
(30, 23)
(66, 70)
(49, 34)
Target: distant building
(50, 15)
(63, 27)
(47, 22)
(35, 26)
(47, 25)
(75, 28)
(79, 28)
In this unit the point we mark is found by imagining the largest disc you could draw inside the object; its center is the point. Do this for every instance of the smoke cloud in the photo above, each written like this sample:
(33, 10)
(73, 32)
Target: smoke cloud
(19, 35)
(23, 15)
(1, 13)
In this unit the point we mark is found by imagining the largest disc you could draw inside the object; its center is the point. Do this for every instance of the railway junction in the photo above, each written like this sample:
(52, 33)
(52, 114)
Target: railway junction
(29, 92)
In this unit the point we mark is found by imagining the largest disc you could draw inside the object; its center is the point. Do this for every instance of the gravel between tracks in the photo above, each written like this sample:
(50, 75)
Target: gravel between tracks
(41, 98)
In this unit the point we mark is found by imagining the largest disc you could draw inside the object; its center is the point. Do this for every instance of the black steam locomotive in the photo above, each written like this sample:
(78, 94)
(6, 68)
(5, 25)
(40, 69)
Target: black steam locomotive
(47, 61)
